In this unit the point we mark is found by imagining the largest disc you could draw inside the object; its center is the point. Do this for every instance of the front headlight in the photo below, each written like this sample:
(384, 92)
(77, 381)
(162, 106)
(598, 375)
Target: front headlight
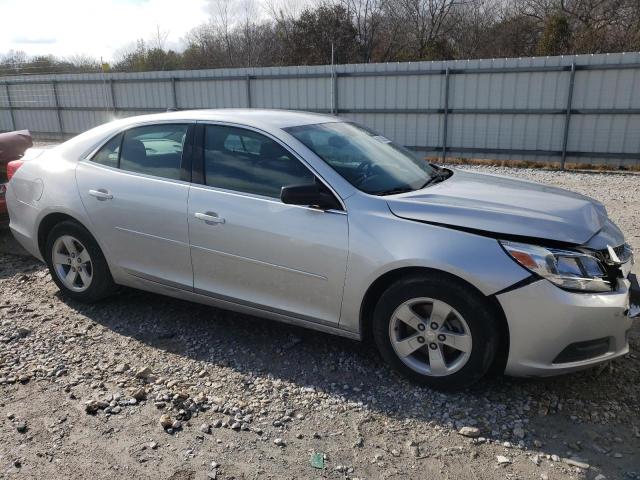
(565, 268)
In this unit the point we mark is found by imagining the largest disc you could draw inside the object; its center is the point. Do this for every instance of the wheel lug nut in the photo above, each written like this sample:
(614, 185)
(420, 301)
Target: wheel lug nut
(434, 326)
(441, 337)
(433, 346)
(420, 339)
(421, 326)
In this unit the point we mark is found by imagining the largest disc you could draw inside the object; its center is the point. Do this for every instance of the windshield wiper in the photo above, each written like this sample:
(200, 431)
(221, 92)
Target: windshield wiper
(437, 178)
(393, 191)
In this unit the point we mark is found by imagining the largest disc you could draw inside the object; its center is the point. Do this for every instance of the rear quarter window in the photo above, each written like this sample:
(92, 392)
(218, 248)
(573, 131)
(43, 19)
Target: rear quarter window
(108, 154)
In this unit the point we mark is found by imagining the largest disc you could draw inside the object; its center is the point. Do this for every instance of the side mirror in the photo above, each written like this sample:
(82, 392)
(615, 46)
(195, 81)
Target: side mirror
(309, 195)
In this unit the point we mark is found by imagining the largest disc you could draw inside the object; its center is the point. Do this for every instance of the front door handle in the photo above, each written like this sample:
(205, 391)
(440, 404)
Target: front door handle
(209, 218)
(101, 194)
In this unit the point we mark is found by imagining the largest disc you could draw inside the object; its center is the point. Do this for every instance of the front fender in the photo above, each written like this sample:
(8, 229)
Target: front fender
(380, 242)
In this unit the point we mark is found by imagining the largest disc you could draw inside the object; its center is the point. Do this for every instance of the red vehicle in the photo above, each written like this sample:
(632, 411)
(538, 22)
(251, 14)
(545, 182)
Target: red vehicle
(12, 148)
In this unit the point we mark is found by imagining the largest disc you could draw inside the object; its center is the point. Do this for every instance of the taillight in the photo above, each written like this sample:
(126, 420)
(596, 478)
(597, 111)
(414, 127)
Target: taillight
(12, 168)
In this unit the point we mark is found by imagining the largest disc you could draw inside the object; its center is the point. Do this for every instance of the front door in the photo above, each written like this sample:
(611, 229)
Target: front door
(136, 199)
(250, 248)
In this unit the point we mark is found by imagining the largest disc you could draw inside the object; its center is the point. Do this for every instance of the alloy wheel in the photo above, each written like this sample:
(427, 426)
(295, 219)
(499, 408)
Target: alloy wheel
(72, 263)
(430, 337)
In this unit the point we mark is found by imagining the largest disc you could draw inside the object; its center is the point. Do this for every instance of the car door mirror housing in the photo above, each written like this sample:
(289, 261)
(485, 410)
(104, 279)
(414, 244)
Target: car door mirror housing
(312, 195)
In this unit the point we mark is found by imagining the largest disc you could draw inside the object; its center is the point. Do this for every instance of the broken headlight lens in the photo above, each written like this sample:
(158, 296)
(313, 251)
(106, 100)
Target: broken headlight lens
(567, 269)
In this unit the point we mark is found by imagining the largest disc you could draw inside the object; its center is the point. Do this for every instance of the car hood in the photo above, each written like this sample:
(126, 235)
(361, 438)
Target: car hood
(504, 206)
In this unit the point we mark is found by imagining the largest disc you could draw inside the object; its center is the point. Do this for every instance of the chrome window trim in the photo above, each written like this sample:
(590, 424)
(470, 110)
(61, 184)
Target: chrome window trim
(88, 162)
(263, 198)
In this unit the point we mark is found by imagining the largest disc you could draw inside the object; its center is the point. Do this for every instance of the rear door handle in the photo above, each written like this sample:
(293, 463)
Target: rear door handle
(209, 218)
(101, 194)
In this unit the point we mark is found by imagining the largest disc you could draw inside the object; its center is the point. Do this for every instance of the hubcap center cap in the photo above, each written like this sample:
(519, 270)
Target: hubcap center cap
(431, 336)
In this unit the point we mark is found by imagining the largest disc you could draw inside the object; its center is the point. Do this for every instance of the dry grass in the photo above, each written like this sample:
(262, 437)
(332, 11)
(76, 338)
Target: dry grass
(537, 165)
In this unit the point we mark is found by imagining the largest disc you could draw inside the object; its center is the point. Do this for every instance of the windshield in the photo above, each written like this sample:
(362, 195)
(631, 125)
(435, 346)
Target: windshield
(367, 160)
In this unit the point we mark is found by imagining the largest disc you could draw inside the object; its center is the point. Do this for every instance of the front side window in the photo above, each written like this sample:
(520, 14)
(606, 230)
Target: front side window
(245, 161)
(364, 158)
(154, 150)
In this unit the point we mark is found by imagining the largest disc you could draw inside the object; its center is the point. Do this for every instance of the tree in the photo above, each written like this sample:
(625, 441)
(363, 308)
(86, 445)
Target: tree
(142, 58)
(427, 24)
(367, 18)
(237, 35)
(556, 37)
(314, 32)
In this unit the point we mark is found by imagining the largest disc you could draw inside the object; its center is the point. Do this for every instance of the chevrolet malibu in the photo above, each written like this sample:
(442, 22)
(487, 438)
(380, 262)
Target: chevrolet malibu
(320, 222)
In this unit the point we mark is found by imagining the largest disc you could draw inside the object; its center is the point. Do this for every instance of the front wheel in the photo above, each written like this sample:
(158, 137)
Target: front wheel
(436, 331)
(77, 264)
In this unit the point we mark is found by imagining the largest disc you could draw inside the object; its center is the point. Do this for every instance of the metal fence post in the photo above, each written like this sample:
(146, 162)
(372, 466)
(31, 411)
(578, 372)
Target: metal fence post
(10, 106)
(57, 104)
(567, 118)
(334, 106)
(173, 92)
(445, 119)
(248, 87)
(113, 96)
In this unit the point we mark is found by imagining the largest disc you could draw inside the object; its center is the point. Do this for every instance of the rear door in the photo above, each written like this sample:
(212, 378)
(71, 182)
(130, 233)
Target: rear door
(135, 191)
(249, 247)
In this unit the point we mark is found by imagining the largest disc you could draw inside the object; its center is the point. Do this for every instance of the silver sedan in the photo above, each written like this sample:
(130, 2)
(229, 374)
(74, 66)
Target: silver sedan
(320, 222)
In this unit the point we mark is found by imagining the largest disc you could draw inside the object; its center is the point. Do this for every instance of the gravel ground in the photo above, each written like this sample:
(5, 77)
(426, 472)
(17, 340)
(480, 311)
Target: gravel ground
(143, 386)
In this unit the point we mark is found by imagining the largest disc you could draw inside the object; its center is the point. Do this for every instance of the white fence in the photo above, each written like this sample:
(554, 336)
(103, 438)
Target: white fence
(582, 108)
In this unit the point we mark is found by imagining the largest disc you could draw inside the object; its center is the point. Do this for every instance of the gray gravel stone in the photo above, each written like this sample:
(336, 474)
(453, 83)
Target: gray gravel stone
(471, 432)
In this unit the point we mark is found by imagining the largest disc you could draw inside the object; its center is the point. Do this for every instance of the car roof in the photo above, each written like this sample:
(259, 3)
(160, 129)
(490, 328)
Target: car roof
(247, 116)
(262, 119)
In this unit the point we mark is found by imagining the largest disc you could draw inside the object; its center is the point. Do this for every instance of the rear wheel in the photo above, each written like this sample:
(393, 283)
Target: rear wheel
(436, 331)
(77, 264)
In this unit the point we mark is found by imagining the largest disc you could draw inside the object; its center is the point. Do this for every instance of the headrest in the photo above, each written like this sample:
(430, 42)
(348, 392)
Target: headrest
(133, 149)
(271, 150)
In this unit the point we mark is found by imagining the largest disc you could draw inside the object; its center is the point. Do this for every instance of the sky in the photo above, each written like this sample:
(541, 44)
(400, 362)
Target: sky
(95, 28)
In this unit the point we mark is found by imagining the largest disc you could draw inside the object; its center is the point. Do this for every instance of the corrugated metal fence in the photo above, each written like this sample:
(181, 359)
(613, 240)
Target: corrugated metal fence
(582, 108)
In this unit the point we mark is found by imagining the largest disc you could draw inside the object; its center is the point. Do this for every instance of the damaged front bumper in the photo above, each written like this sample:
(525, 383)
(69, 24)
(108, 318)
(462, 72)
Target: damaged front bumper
(554, 331)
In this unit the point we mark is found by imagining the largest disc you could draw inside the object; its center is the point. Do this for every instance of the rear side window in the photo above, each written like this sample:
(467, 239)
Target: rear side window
(154, 150)
(108, 154)
(246, 161)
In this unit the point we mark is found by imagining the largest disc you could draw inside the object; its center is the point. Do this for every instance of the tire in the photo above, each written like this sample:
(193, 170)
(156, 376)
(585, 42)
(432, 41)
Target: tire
(409, 345)
(92, 280)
